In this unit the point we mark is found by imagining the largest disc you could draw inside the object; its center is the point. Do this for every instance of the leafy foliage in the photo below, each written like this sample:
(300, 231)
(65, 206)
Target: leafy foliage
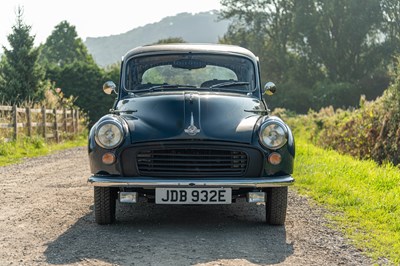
(370, 132)
(320, 52)
(63, 46)
(171, 40)
(391, 15)
(72, 69)
(83, 81)
(338, 34)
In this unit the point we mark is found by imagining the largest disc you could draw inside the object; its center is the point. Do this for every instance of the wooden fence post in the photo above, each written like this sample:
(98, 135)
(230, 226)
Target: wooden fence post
(44, 121)
(29, 121)
(77, 120)
(73, 121)
(56, 126)
(65, 120)
(15, 121)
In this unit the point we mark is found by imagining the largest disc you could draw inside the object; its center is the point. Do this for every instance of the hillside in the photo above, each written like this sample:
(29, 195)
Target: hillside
(202, 27)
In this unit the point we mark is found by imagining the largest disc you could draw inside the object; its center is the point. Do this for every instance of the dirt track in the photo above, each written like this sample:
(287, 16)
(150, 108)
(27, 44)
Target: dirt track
(46, 218)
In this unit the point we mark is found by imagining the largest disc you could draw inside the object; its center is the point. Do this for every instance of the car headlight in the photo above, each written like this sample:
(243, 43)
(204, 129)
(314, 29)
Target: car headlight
(109, 134)
(273, 135)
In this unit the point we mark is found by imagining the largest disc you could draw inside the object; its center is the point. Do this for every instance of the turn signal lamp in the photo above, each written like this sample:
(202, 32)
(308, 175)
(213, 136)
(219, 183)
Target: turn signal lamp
(108, 158)
(275, 158)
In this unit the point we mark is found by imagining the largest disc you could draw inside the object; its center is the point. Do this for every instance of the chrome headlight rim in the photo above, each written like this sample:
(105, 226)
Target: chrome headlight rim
(119, 127)
(265, 125)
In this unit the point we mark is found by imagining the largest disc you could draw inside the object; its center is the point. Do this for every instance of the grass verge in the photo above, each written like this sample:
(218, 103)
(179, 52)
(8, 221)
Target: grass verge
(364, 196)
(13, 152)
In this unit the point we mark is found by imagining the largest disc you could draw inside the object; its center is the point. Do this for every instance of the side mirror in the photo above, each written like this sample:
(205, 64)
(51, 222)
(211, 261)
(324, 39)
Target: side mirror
(269, 88)
(109, 87)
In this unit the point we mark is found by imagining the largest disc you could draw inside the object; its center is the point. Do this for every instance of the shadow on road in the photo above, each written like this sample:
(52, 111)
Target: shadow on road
(149, 234)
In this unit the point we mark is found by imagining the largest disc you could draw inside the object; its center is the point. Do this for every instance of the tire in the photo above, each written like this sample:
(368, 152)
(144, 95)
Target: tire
(276, 205)
(104, 204)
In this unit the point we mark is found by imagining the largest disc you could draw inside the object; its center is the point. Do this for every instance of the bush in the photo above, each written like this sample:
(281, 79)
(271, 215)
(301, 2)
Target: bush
(339, 95)
(370, 132)
(387, 146)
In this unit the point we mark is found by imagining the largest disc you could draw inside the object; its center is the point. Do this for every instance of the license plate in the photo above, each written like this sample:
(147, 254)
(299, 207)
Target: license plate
(193, 195)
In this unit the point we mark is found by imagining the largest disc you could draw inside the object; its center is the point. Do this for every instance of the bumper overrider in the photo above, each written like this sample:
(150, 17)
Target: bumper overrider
(153, 182)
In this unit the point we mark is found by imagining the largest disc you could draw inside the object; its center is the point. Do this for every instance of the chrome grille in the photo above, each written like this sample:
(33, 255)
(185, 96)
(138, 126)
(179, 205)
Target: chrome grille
(191, 162)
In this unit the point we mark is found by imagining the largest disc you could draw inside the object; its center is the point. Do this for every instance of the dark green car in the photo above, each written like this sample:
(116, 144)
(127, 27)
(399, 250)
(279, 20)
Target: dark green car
(190, 126)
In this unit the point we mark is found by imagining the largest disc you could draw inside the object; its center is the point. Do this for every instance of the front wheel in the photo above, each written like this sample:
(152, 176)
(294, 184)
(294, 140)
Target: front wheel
(276, 205)
(104, 204)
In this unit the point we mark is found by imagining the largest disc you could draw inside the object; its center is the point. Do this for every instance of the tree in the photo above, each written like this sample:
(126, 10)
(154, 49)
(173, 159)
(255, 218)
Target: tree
(311, 45)
(345, 38)
(70, 67)
(84, 81)
(266, 28)
(339, 34)
(391, 17)
(171, 40)
(2, 81)
(63, 46)
(21, 73)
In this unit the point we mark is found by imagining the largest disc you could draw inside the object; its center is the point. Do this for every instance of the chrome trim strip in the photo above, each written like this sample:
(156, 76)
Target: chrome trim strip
(153, 182)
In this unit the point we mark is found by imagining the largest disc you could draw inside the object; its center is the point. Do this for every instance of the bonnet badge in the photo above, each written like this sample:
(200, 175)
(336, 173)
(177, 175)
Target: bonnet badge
(192, 130)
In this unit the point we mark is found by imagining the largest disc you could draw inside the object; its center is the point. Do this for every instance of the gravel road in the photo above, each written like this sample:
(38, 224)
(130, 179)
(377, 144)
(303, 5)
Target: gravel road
(46, 218)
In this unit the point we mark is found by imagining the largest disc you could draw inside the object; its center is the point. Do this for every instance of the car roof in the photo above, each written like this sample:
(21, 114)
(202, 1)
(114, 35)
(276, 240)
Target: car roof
(190, 47)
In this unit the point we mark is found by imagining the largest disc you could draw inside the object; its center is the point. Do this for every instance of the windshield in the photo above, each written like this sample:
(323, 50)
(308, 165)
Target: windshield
(195, 71)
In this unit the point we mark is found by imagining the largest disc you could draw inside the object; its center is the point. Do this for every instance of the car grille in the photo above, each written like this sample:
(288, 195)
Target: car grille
(191, 162)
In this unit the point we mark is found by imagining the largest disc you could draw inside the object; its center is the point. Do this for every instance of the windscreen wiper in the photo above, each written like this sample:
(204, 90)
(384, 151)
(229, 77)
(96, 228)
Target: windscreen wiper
(229, 84)
(222, 85)
(165, 86)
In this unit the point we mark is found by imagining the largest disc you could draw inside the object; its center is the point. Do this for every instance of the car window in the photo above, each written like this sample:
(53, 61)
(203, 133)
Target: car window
(170, 75)
(202, 71)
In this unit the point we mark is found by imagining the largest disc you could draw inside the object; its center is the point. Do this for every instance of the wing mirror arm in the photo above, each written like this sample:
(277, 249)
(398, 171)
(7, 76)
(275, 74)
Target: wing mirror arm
(109, 87)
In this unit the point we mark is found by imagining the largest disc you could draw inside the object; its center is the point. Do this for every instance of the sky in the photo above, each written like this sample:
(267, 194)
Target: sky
(93, 18)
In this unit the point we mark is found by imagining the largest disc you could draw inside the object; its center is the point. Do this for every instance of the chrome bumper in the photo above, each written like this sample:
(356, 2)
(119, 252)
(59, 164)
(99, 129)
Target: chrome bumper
(153, 182)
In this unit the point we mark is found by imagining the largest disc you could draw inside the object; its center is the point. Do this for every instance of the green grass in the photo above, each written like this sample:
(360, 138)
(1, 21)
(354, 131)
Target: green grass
(15, 151)
(364, 197)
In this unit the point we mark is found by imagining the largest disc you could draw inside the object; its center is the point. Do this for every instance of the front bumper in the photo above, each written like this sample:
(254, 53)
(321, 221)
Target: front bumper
(153, 182)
